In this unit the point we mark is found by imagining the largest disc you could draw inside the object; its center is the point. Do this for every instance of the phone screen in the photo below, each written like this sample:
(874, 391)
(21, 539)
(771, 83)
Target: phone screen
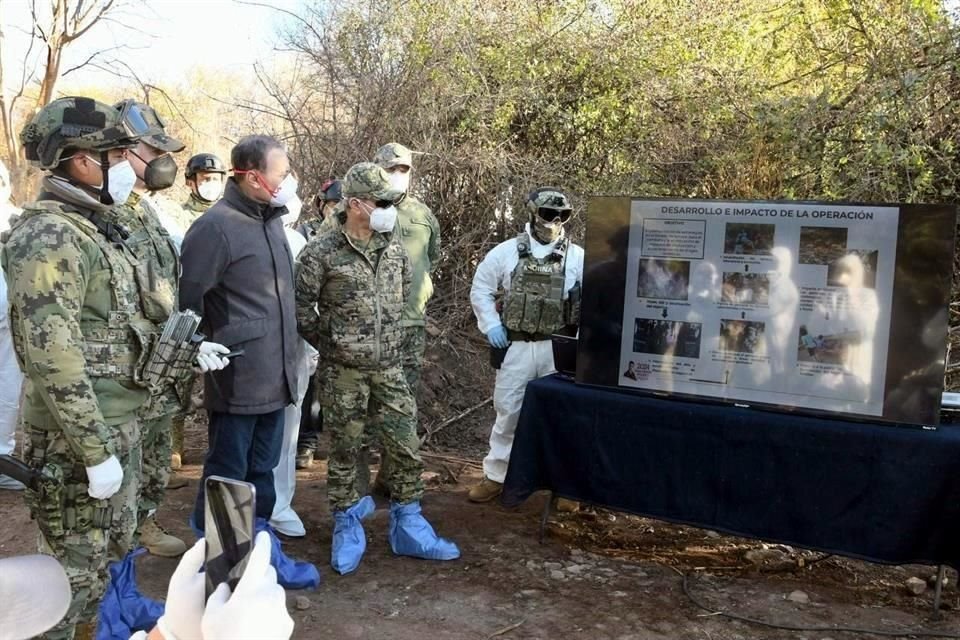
(229, 529)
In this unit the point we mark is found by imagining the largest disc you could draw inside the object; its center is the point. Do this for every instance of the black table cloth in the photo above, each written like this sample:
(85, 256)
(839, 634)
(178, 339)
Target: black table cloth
(879, 492)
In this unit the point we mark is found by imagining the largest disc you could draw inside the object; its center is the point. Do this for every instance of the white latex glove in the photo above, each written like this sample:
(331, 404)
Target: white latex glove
(257, 610)
(104, 479)
(184, 607)
(207, 358)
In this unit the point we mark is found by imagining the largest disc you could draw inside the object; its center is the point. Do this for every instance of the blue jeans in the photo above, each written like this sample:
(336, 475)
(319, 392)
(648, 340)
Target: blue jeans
(243, 447)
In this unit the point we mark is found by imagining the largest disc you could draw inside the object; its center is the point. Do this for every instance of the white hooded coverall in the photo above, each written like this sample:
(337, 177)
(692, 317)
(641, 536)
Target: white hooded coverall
(284, 518)
(524, 361)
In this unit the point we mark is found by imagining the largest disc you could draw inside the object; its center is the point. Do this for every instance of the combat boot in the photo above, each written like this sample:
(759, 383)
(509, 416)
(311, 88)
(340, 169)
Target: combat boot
(486, 490)
(158, 542)
(567, 506)
(177, 482)
(175, 461)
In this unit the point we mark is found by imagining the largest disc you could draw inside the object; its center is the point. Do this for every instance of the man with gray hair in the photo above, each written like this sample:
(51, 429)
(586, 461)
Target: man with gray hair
(238, 276)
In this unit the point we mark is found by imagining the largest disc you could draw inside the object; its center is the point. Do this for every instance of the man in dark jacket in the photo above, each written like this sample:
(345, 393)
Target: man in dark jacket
(238, 275)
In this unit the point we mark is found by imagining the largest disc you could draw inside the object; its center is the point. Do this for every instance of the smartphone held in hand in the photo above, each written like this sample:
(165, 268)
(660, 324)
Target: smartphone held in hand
(229, 528)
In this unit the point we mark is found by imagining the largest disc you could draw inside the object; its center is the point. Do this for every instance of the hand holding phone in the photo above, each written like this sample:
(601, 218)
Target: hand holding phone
(229, 526)
(257, 607)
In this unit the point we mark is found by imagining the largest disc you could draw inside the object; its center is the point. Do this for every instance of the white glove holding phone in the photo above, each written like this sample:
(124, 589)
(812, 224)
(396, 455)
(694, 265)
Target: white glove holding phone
(208, 358)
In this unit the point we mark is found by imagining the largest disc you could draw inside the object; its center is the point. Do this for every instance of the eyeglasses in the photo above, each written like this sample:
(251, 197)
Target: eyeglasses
(548, 214)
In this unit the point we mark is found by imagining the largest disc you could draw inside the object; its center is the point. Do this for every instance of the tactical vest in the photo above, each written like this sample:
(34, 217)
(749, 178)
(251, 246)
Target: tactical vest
(534, 304)
(118, 347)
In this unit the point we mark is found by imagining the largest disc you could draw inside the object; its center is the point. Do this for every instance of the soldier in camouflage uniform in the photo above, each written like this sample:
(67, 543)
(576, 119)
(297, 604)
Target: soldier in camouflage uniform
(420, 236)
(351, 286)
(78, 314)
(152, 245)
(205, 176)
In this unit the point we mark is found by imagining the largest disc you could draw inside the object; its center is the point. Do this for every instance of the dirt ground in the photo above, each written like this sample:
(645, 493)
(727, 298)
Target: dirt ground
(598, 574)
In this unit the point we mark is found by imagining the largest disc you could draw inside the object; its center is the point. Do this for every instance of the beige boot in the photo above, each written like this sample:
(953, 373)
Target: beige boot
(177, 482)
(159, 542)
(175, 461)
(567, 506)
(485, 491)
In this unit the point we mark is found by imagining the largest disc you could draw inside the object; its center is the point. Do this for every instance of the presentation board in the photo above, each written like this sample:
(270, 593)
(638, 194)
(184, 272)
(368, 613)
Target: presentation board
(833, 308)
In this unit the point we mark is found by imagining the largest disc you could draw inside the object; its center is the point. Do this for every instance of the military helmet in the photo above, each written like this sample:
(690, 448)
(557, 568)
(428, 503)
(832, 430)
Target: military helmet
(205, 163)
(78, 123)
(393, 154)
(156, 135)
(549, 203)
(367, 180)
(331, 191)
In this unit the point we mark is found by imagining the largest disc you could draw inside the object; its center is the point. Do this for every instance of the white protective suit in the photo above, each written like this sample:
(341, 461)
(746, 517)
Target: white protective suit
(11, 379)
(284, 518)
(524, 361)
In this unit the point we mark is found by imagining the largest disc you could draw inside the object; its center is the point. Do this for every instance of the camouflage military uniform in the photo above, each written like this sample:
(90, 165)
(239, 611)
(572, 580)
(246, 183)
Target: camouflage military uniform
(80, 334)
(420, 235)
(196, 206)
(359, 292)
(193, 208)
(154, 250)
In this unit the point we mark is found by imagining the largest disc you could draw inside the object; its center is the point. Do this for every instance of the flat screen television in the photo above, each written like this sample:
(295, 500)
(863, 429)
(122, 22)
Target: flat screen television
(817, 307)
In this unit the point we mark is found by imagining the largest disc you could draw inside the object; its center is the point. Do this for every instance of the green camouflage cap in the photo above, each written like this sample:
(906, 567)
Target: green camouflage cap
(548, 198)
(367, 180)
(78, 123)
(393, 154)
(156, 135)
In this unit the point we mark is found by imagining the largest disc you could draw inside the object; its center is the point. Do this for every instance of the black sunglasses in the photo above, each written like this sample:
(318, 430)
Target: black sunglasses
(550, 215)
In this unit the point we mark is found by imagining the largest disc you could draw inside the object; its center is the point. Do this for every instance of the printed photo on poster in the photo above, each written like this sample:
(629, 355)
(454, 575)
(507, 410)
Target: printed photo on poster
(745, 288)
(666, 338)
(856, 268)
(822, 245)
(664, 279)
(749, 238)
(743, 336)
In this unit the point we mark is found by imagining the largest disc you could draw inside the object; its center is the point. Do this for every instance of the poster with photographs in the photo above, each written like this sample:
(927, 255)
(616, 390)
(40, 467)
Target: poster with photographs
(774, 303)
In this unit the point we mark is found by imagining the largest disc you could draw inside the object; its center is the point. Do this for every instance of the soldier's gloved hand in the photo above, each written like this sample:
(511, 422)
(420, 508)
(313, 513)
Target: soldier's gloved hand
(208, 358)
(184, 607)
(104, 479)
(257, 610)
(498, 337)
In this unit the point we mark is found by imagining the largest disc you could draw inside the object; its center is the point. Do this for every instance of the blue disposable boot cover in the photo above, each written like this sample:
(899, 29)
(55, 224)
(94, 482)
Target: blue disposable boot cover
(349, 540)
(412, 535)
(291, 574)
(124, 610)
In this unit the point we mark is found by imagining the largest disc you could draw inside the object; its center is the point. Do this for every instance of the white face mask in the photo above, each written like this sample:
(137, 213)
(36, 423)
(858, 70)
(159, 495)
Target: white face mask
(286, 191)
(294, 207)
(120, 178)
(383, 220)
(210, 190)
(400, 180)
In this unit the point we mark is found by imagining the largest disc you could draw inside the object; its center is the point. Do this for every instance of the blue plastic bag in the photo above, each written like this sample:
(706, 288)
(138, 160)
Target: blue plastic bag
(291, 574)
(124, 610)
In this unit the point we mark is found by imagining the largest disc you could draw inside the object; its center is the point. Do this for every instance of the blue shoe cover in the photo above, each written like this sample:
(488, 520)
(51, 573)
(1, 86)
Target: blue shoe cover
(349, 540)
(291, 574)
(123, 609)
(193, 527)
(411, 535)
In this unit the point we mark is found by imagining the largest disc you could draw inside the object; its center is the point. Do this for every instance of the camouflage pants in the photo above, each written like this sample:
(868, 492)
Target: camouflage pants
(356, 402)
(157, 447)
(82, 533)
(176, 433)
(414, 345)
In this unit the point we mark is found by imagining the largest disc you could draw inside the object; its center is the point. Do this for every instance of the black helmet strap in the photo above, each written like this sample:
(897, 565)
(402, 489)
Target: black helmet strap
(105, 196)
